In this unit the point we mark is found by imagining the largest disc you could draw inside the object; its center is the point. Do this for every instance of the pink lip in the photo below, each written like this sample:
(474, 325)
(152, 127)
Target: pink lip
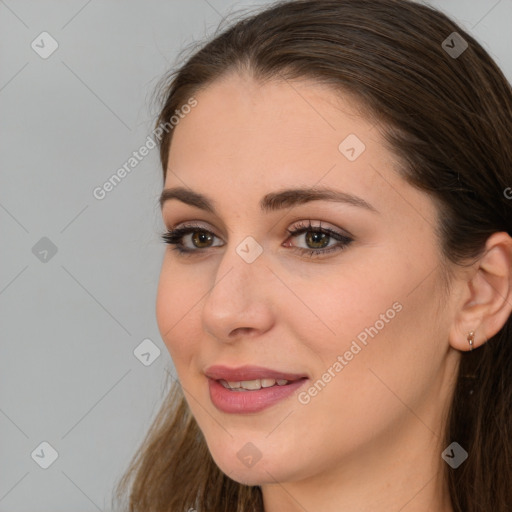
(237, 402)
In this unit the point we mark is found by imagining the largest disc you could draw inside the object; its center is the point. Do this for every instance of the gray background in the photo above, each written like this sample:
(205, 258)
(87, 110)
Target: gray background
(70, 322)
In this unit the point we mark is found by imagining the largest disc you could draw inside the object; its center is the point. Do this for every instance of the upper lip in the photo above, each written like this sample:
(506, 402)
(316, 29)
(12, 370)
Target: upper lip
(248, 372)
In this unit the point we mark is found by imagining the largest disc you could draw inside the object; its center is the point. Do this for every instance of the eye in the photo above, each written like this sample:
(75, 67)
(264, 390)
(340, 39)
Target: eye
(317, 239)
(199, 237)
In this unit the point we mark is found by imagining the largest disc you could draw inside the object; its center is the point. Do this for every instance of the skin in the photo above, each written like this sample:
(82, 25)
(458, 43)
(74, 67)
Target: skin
(371, 439)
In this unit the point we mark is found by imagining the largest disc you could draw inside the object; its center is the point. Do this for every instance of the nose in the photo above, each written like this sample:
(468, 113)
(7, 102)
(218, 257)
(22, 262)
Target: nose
(239, 301)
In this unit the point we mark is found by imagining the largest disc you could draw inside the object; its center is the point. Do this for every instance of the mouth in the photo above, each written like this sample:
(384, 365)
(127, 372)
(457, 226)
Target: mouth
(253, 385)
(250, 388)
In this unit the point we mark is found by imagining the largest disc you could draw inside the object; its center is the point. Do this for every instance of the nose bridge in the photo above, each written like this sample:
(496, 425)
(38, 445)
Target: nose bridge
(237, 274)
(235, 298)
(241, 267)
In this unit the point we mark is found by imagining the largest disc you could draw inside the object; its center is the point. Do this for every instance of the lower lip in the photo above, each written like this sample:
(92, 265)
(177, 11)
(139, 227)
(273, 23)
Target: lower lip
(249, 401)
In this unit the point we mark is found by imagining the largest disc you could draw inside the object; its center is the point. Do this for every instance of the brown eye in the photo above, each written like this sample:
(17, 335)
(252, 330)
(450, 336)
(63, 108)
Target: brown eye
(190, 239)
(317, 239)
(201, 237)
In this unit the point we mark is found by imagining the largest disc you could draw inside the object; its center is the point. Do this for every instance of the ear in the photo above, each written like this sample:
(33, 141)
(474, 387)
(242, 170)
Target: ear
(486, 301)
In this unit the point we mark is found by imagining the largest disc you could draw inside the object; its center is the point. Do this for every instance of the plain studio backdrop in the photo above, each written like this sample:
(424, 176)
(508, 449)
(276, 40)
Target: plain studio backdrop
(82, 364)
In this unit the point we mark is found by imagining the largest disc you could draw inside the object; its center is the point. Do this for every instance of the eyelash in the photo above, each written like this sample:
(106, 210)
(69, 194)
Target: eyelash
(175, 236)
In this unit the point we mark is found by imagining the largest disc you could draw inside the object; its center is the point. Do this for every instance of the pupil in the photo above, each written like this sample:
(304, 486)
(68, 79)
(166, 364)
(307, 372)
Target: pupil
(201, 238)
(315, 237)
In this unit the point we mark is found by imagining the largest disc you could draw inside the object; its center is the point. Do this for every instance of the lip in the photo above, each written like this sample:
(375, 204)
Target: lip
(240, 402)
(249, 373)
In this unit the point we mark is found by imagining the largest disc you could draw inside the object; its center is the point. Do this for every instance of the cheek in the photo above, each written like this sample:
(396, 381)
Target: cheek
(174, 312)
(353, 301)
(381, 321)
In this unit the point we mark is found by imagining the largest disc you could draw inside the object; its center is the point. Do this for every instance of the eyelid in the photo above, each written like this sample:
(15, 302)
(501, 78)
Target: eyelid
(295, 225)
(299, 225)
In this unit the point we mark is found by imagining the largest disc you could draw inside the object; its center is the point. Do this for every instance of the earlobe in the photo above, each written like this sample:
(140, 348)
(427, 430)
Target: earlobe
(469, 340)
(487, 303)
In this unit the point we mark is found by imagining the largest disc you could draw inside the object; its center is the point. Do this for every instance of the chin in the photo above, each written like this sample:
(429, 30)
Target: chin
(246, 468)
(248, 477)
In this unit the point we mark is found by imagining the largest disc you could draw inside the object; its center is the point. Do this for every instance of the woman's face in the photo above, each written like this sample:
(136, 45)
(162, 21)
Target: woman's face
(357, 332)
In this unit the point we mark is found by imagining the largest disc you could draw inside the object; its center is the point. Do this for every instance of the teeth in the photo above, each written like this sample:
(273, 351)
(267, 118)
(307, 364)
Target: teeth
(252, 385)
(267, 383)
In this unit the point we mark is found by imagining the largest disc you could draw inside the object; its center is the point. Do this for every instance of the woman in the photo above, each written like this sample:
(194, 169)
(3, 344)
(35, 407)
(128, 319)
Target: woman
(336, 294)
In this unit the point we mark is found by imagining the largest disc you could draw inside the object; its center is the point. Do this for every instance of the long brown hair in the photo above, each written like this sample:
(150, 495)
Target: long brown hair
(448, 118)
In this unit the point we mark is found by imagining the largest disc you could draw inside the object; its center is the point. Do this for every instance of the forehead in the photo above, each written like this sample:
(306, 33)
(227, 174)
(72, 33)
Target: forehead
(245, 139)
(274, 112)
(269, 128)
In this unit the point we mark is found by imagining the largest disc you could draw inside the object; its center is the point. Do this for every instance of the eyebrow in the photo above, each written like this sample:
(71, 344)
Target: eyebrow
(270, 202)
